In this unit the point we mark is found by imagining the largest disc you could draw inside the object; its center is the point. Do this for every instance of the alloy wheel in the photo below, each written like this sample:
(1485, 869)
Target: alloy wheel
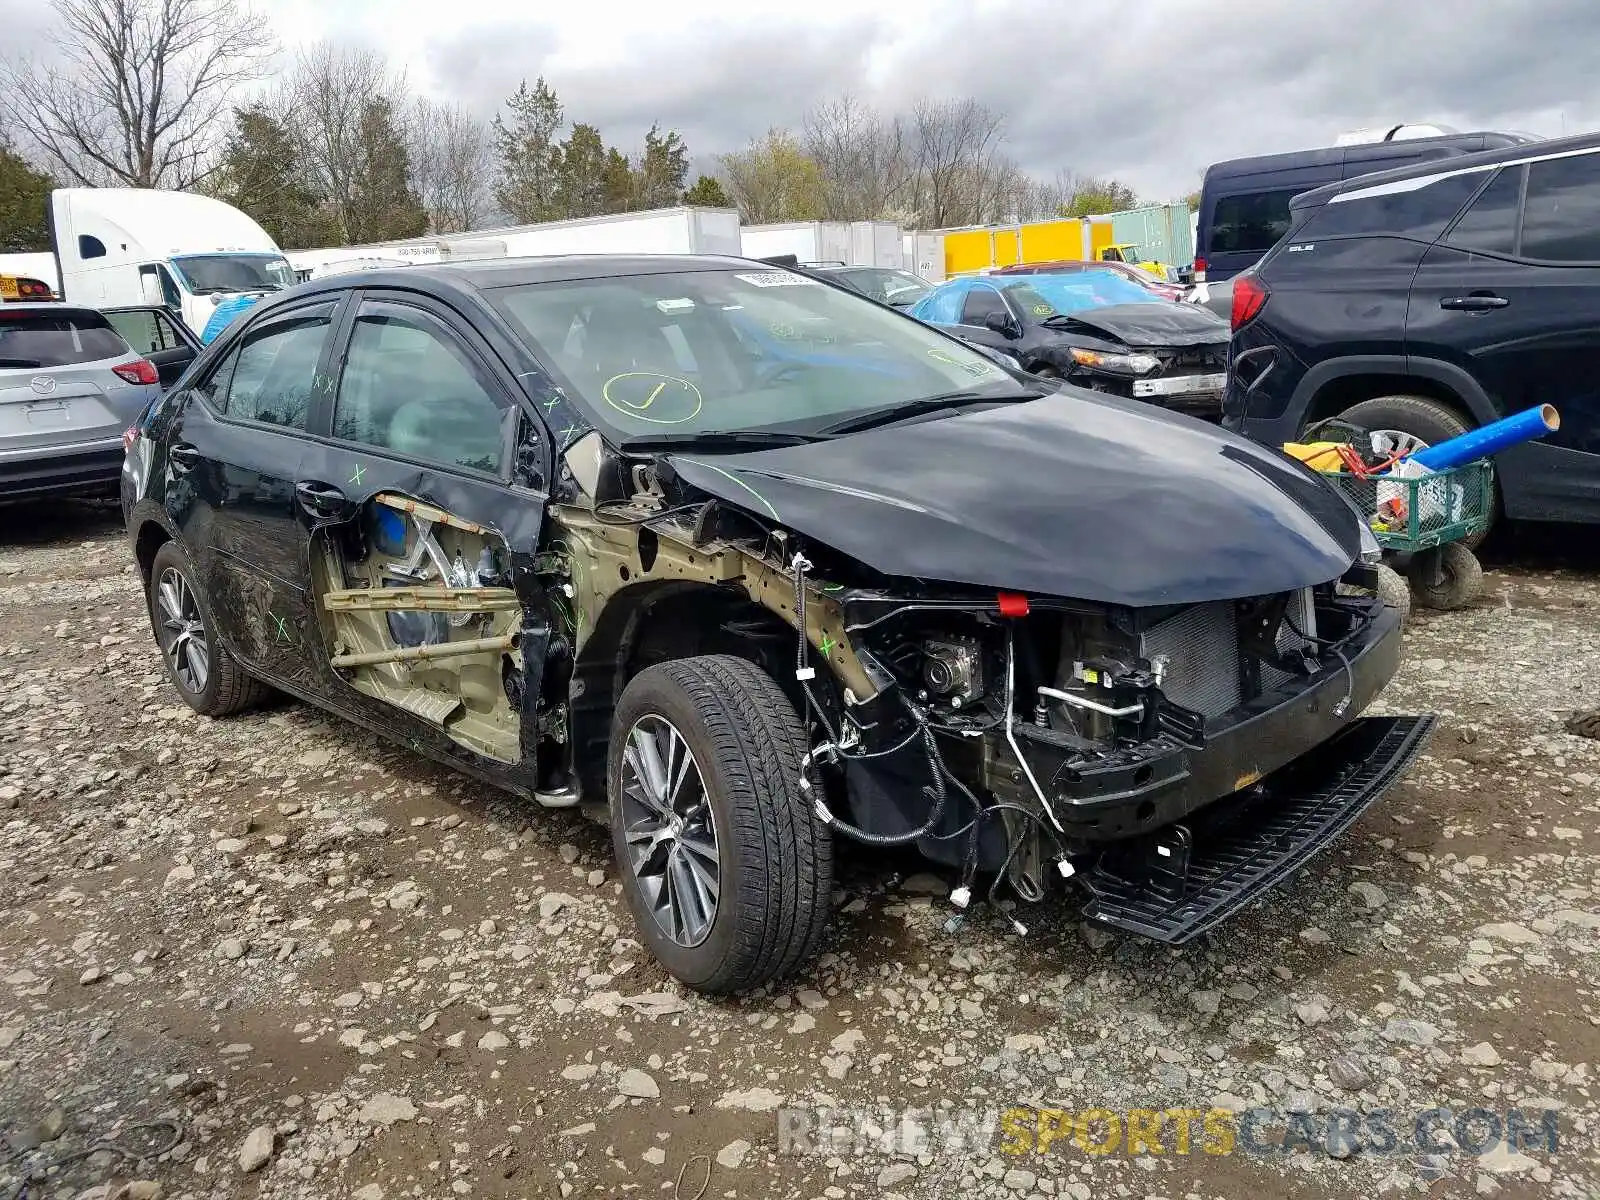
(670, 830)
(1388, 442)
(181, 631)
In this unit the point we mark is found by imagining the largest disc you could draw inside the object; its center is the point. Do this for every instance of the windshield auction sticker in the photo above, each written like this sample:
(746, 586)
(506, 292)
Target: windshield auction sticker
(778, 279)
(658, 399)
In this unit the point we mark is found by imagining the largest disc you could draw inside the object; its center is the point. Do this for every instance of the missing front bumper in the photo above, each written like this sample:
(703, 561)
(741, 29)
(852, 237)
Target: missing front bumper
(1182, 880)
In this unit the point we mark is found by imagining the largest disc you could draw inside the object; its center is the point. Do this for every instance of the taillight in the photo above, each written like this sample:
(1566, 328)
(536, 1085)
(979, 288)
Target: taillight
(140, 370)
(1249, 294)
(1199, 270)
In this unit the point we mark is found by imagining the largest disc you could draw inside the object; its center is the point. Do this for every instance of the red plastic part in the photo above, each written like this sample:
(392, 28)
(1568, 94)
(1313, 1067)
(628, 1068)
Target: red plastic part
(1013, 604)
(139, 370)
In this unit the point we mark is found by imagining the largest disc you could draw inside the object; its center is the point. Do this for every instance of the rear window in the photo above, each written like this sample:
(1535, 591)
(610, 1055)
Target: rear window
(1251, 222)
(57, 339)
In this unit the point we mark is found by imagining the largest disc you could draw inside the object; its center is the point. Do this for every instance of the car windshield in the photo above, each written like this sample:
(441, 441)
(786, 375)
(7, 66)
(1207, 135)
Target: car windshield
(889, 286)
(33, 339)
(1045, 296)
(206, 273)
(692, 351)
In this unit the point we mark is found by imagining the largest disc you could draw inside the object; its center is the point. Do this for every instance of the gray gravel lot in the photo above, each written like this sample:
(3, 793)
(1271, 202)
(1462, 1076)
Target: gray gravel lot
(273, 956)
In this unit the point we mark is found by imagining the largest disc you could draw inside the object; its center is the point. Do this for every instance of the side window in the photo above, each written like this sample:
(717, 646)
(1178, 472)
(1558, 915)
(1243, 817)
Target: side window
(982, 301)
(943, 306)
(90, 246)
(1250, 222)
(1418, 212)
(1561, 216)
(1489, 226)
(274, 371)
(147, 330)
(214, 387)
(408, 386)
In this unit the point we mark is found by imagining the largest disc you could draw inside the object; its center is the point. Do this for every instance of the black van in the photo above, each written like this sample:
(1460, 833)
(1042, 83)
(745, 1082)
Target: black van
(1244, 203)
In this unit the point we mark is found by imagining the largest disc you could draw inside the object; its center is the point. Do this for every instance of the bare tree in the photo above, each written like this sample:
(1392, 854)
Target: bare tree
(863, 158)
(334, 90)
(451, 164)
(141, 94)
(956, 144)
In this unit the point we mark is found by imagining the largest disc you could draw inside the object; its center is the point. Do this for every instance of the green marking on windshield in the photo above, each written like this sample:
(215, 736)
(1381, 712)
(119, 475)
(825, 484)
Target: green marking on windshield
(765, 503)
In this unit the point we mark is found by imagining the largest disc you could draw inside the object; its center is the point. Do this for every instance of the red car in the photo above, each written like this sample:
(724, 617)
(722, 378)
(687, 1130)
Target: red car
(1167, 291)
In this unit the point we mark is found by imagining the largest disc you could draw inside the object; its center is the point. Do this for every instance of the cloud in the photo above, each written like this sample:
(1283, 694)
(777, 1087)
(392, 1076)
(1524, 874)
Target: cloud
(1151, 93)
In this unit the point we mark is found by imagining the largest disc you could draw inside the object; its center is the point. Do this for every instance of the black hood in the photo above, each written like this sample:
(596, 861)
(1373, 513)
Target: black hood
(1162, 323)
(1077, 495)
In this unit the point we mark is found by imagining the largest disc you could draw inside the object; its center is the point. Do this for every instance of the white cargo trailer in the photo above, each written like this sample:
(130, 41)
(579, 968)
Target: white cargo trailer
(853, 243)
(684, 230)
(924, 254)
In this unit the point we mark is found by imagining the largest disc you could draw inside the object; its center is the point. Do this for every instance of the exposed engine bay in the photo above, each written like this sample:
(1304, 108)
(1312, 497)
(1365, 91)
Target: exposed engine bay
(1006, 735)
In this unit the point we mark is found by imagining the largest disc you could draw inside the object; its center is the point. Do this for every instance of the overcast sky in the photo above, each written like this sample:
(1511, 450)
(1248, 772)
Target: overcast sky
(1150, 92)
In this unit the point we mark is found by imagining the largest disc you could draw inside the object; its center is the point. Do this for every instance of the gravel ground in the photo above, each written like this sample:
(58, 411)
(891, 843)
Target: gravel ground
(275, 957)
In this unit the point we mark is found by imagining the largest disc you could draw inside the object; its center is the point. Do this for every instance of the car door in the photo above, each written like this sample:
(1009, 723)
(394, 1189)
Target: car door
(983, 302)
(157, 336)
(232, 459)
(409, 489)
(1511, 294)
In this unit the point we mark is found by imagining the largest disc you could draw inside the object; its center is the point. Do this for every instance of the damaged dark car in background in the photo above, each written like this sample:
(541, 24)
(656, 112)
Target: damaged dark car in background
(1092, 328)
(572, 526)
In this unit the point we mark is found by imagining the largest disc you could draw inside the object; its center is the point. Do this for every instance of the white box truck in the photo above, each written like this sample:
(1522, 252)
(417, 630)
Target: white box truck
(118, 246)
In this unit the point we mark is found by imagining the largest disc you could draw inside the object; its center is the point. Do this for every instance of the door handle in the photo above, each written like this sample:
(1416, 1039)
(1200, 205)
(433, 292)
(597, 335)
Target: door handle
(183, 457)
(322, 500)
(1474, 302)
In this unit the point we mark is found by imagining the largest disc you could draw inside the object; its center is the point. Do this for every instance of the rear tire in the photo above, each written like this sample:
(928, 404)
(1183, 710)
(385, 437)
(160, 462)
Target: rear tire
(1428, 420)
(207, 676)
(772, 865)
(1393, 591)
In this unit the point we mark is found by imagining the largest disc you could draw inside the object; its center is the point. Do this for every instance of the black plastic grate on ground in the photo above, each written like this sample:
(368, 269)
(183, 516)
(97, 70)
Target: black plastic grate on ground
(1249, 845)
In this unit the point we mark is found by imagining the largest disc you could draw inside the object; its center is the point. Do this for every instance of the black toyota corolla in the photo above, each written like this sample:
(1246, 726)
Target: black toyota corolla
(1092, 328)
(742, 563)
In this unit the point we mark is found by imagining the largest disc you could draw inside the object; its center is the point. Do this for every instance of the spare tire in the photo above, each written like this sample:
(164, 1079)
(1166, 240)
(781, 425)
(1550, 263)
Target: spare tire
(1423, 420)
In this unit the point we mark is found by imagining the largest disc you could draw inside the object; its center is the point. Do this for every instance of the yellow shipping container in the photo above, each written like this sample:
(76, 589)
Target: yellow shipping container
(969, 250)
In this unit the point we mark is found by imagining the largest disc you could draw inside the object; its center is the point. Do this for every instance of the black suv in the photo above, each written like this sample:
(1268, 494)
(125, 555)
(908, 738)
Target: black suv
(1430, 300)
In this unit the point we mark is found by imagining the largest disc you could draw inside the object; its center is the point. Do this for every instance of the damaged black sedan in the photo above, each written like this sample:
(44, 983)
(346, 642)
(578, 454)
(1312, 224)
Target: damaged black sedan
(744, 563)
(1092, 328)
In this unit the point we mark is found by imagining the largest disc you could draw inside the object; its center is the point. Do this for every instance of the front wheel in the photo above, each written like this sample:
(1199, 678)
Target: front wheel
(724, 865)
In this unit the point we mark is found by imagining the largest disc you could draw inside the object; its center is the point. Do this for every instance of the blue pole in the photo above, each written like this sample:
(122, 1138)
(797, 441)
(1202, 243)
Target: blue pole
(1489, 439)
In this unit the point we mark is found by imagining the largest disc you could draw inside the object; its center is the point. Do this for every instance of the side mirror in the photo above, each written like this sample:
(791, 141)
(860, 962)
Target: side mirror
(1001, 323)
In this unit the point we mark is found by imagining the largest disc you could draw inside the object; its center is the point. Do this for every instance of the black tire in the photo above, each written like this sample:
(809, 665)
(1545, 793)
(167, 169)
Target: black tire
(226, 689)
(1422, 417)
(775, 860)
(1393, 591)
(1460, 577)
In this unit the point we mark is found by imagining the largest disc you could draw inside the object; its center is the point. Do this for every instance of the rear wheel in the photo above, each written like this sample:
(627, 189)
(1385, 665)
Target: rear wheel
(206, 675)
(1410, 423)
(725, 867)
(1447, 578)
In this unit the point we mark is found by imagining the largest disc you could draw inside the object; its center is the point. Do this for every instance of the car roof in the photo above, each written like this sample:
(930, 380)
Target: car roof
(1526, 152)
(55, 307)
(481, 275)
(1333, 156)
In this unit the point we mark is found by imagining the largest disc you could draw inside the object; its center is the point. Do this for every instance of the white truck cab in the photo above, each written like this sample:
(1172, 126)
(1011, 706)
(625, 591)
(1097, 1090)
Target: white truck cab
(121, 246)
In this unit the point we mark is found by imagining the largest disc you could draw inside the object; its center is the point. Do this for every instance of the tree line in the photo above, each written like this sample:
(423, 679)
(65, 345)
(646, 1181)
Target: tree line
(337, 149)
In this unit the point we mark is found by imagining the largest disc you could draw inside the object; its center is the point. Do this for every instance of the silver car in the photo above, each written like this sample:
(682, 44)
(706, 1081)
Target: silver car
(69, 386)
